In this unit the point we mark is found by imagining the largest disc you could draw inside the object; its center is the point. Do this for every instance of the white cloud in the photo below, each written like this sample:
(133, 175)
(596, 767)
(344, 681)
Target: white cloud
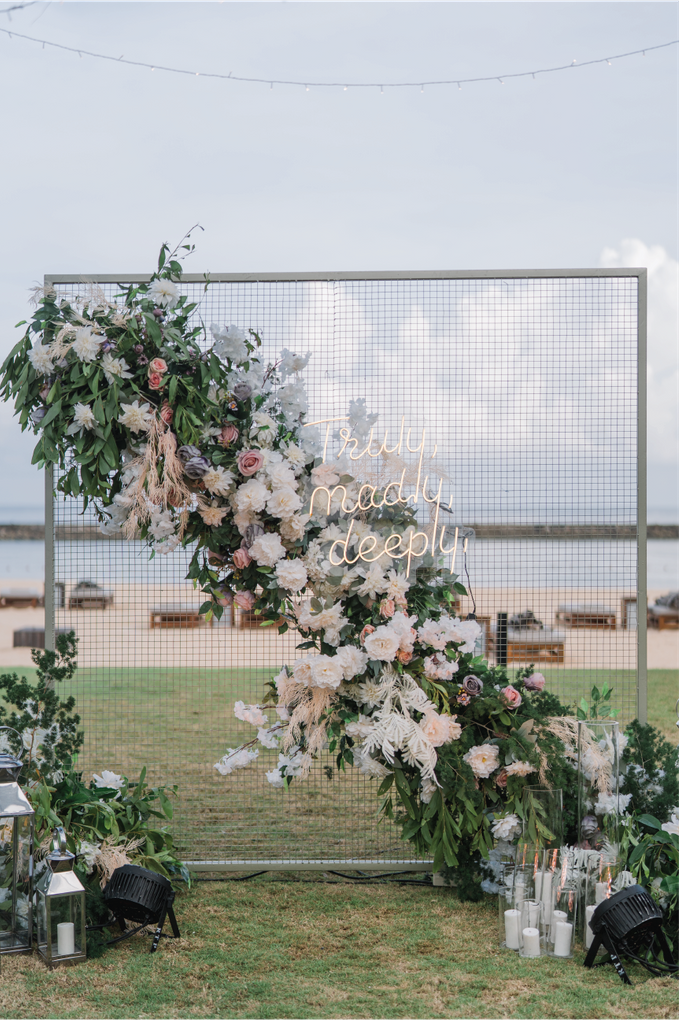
(662, 342)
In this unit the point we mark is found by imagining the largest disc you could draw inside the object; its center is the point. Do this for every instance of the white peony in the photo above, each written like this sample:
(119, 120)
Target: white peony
(83, 418)
(302, 672)
(375, 582)
(352, 660)
(506, 827)
(440, 729)
(39, 356)
(296, 456)
(163, 293)
(115, 368)
(235, 758)
(382, 644)
(108, 779)
(291, 574)
(230, 343)
(325, 474)
(251, 496)
(482, 759)
(86, 345)
(428, 788)
(283, 503)
(218, 480)
(293, 528)
(267, 549)
(281, 476)
(136, 416)
(326, 671)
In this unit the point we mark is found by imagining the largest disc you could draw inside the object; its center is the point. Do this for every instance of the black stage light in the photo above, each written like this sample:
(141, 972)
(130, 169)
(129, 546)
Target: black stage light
(628, 925)
(142, 896)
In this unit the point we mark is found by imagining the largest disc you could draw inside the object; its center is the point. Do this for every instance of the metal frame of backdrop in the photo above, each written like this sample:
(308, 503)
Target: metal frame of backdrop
(535, 382)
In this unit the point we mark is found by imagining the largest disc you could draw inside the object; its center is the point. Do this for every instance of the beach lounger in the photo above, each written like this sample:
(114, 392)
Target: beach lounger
(21, 597)
(592, 617)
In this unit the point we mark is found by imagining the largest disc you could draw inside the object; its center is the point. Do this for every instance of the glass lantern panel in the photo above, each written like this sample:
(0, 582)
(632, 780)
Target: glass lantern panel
(64, 911)
(599, 803)
(16, 845)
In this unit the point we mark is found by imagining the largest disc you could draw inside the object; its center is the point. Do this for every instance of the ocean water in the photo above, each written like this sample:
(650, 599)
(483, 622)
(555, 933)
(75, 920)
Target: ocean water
(513, 563)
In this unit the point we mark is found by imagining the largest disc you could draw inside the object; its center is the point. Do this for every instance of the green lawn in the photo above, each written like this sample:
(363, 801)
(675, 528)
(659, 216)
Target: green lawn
(279, 948)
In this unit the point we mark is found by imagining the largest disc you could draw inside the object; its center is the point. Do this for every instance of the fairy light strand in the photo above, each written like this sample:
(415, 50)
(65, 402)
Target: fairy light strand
(344, 85)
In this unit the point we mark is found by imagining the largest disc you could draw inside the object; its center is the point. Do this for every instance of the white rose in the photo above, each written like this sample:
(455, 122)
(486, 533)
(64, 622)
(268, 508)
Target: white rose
(267, 549)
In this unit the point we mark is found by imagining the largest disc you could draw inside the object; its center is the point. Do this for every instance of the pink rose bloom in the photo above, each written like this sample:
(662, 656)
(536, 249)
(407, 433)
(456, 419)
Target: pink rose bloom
(241, 559)
(502, 779)
(167, 413)
(368, 629)
(158, 365)
(511, 697)
(250, 461)
(229, 434)
(535, 682)
(400, 602)
(155, 380)
(244, 599)
(404, 657)
(387, 608)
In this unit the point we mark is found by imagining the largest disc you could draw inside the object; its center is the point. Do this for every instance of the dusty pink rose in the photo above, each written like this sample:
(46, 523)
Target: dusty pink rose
(229, 434)
(511, 697)
(167, 413)
(387, 608)
(535, 682)
(244, 599)
(502, 779)
(404, 657)
(400, 602)
(368, 629)
(155, 380)
(158, 365)
(250, 461)
(241, 559)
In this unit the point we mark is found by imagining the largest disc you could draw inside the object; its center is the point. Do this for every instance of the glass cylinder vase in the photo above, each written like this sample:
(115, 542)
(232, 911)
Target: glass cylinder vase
(599, 802)
(531, 943)
(542, 812)
(600, 884)
(562, 928)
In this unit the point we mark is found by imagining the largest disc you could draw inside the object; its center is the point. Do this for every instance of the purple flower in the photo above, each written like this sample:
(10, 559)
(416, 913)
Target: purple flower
(142, 360)
(185, 453)
(242, 391)
(535, 682)
(472, 685)
(589, 825)
(196, 467)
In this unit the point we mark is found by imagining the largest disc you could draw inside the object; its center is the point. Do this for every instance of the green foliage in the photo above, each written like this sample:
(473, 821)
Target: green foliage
(650, 764)
(600, 704)
(653, 860)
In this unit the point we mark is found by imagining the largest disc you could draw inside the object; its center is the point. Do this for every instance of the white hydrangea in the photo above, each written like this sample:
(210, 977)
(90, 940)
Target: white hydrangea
(267, 549)
(236, 758)
(283, 503)
(326, 671)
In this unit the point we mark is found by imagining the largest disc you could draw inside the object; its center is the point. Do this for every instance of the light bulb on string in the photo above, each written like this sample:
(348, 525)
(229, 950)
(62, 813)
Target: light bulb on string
(422, 89)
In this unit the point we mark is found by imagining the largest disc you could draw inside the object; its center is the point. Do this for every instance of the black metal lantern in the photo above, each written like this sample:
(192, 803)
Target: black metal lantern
(16, 858)
(142, 896)
(628, 924)
(60, 907)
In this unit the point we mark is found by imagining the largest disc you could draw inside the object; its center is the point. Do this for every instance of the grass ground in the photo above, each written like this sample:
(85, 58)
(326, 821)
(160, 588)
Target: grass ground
(273, 947)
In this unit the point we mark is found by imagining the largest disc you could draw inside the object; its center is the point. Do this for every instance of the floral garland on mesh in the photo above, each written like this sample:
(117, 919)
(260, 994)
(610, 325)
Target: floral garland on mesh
(177, 444)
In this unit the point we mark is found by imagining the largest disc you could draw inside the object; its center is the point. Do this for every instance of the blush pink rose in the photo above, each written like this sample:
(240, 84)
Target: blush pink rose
(404, 657)
(241, 559)
(502, 779)
(167, 413)
(250, 461)
(511, 697)
(400, 602)
(155, 380)
(368, 629)
(158, 365)
(229, 434)
(535, 682)
(244, 599)
(387, 608)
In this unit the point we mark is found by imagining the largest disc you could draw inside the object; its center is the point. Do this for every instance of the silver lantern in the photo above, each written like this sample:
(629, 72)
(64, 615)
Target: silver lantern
(16, 857)
(60, 907)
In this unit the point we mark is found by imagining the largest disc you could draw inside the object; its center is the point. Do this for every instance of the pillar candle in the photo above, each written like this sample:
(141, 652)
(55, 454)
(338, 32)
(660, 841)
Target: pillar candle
(519, 892)
(66, 939)
(547, 897)
(557, 916)
(532, 942)
(589, 931)
(538, 882)
(600, 892)
(533, 910)
(563, 932)
(512, 929)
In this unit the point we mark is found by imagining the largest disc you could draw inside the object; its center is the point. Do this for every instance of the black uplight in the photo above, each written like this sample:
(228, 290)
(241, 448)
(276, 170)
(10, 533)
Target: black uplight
(141, 896)
(628, 924)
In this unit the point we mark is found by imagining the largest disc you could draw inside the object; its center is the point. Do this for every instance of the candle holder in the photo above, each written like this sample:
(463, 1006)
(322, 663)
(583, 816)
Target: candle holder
(60, 907)
(508, 914)
(600, 885)
(560, 937)
(542, 812)
(16, 853)
(598, 783)
(531, 944)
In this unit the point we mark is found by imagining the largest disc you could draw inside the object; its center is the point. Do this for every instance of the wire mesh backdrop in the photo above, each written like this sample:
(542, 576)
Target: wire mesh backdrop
(529, 386)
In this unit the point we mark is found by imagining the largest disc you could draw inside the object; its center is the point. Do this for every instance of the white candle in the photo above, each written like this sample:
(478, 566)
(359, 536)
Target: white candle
(538, 882)
(519, 892)
(601, 889)
(547, 897)
(589, 931)
(557, 916)
(532, 942)
(563, 932)
(66, 939)
(512, 929)
(532, 912)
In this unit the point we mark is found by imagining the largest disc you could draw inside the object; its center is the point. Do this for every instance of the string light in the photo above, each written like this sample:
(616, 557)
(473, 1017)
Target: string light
(334, 84)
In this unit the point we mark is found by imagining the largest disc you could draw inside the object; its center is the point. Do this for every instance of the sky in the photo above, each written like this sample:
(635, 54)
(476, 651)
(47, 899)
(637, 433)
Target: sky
(578, 168)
